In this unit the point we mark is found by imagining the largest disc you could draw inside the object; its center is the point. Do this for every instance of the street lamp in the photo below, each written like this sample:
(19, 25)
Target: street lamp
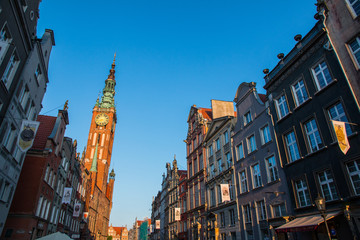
(320, 204)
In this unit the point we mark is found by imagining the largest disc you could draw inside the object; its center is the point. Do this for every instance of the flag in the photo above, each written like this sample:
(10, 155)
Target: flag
(177, 214)
(67, 195)
(225, 192)
(340, 132)
(27, 134)
(157, 224)
(77, 208)
(85, 216)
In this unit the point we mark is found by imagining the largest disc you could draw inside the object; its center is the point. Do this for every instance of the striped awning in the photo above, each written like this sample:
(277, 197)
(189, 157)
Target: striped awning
(307, 223)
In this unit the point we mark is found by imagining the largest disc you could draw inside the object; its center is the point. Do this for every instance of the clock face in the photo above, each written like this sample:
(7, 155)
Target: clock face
(101, 119)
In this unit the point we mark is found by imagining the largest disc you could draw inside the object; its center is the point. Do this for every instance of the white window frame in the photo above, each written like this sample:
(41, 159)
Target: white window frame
(226, 137)
(354, 52)
(243, 182)
(327, 184)
(302, 191)
(292, 147)
(247, 118)
(313, 136)
(271, 168)
(240, 151)
(256, 175)
(247, 213)
(351, 7)
(278, 208)
(299, 92)
(265, 134)
(5, 40)
(261, 209)
(340, 116)
(321, 72)
(251, 144)
(354, 175)
(282, 106)
(10, 70)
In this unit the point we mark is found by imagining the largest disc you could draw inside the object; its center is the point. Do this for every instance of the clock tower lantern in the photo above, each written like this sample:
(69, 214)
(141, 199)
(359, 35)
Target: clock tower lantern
(98, 157)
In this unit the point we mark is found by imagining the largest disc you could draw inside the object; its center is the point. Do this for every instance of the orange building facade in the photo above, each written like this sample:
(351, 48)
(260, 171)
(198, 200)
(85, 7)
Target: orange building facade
(98, 158)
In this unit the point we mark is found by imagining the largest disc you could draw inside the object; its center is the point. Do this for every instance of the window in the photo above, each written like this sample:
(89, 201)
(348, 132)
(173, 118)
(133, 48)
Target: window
(354, 174)
(212, 170)
(226, 137)
(10, 138)
(354, 7)
(212, 197)
(313, 135)
(282, 107)
(5, 191)
(247, 118)
(327, 185)
(232, 217)
(5, 41)
(278, 210)
(322, 75)
(195, 166)
(240, 151)
(292, 147)
(211, 150)
(218, 147)
(228, 160)
(337, 113)
(265, 134)
(247, 213)
(201, 165)
(271, 168)
(219, 194)
(10, 70)
(355, 50)
(261, 210)
(231, 188)
(299, 92)
(190, 169)
(38, 74)
(37, 213)
(222, 219)
(243, 182)
(191, 197)
(251, 144)
(196, 195)
(256, 176)
(302, 193)
(219, 165)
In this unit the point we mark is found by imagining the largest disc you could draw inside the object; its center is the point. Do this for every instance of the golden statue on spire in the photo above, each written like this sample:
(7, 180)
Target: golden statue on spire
(66, 107)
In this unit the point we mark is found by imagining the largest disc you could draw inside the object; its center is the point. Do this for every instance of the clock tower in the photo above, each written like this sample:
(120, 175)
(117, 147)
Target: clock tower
(102, 131)
(98, 158)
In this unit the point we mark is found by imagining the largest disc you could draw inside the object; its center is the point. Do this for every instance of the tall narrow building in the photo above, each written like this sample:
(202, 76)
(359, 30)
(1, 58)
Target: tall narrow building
(98, 159)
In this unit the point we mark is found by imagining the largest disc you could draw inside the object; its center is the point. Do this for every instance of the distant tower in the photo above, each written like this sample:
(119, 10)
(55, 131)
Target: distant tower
(98, 158)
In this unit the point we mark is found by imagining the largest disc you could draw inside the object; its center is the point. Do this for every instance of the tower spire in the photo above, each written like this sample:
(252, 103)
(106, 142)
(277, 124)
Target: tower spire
(107, 100)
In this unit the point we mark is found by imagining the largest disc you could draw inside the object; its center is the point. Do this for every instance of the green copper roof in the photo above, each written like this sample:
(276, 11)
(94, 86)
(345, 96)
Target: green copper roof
(107, 100)
(94, 162)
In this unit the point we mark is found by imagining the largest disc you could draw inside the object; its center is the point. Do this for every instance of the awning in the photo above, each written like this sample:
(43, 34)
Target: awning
(308, 223)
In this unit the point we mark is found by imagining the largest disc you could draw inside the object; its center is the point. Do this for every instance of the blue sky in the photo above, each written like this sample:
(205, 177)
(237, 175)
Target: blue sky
(171, 54)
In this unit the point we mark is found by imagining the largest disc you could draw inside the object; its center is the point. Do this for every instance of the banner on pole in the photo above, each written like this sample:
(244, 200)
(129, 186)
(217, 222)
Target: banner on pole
(67, 195)
(225, 192)
(157, 224)
(340, 132)
(27, 134)
(77, 208)
(177, 214)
